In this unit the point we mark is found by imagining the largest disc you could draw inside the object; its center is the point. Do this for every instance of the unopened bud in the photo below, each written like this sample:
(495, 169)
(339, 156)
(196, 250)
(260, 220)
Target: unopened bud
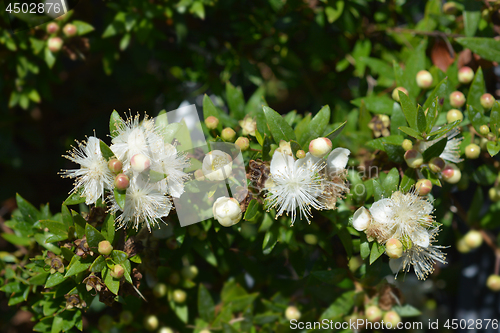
(52, 28)
(407, 144)
(450, 8)
(140, 162)
(493, 282)
(179, 296)
(465, 75)
(151, 323)
(122, 181)
(395, 93)
(393, 318)
(454, 115)
(243, 143)
(189, 272)
(70, 30)
(227, 211)
(300, 153)
(472, 151)
(487, 101)
(165, 330)
(105, 248)
(462, 246)
(484, 129)
(117, 272)
(292, 313)
(361, 219)
(494, 194)
(424, 79)
(414, 158)
(473, 239)
(199, 175)
(115, 166)
(451, 173)
(320, 147)
(228, 134)
(373, 313)
(54, 44)
(212, 122)
(436, 164)
(394, 248)
(424, 187)
(160, 290)
(457, 99)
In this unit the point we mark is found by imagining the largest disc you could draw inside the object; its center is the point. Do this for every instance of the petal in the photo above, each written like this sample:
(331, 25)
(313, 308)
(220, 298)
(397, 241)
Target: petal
(361, 219)
(307, 161)
(382, 210)
(420, 237)
(280, 163)
(337, 160)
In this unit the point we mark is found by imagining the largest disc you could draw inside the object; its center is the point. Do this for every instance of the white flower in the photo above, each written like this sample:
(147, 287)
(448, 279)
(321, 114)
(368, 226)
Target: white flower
(361, 219)
(295, 184)
(248, 125)
(227, 211)
(217, 165)
(144, 203)
(94, 175)
(171, 164)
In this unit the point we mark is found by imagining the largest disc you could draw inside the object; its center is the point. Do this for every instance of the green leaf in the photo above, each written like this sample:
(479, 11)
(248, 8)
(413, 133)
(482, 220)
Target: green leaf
(364, 247)
(198, 9)
(472, 16)
(493, 147)
(336, 132)
(379, 143)
(409, 110)
(114, 123)
(75, 198)
(205, 252)
(270, 240)
(376, 104)
(476, 90)
(57, 324)
(476, 117)
(280, 130)
(76, 266)
(256, 102)
(340, 307)
(106, 152)
(54, 280)
(376, 252)
(332, 276)
(409, 179)
(235, 101)
(30, 214)
(443, 130)
(93, 237)
(406, 310)
(411, 132)
(209, 109)
(435, 150)
(252, 211)
(206, 307)
(50, 59)
(120, 197)
(83, 27)
(316, 127)
(110, 282)
(16, 240)
(487, 48)
(66, 216)
(431, 176)
(108, 228)
(119, 257)
(98, 264)
(495, 118)
(475, 207)
(397, 119)
(432, 115)
(39, 279)
(79, 224)
(332, 14)
(391, 182)
(440, 91)
(378, 192)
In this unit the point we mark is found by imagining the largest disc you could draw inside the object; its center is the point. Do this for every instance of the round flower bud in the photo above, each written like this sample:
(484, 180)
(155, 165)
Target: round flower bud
(54, 44)
(198, 175)
(424, 187)
(227, 211)
(243, 143)
(165, 330)
(451, 173)
(151, 323)
(493, 282)
(320, 147)
(205, 331)
(179, 296)
(450, 8)
(105, 248)
(126, 317)
(491, 137)
(248, 126)
(228, 134)
(212, 122)
(413, 158)
(473, 239)
(424, 79)
(484, 129)
(70, 30)
(373, 313)
(361, 219)
(122, 181)
(465, 75)
(300, 154)
(472, 151)
(494, 194)
(457, 99)
(311, 239)
(395, 93)
(217, 165)
(392, 319)
(454, 115)
(407, 144)
(462, 246)
(189, 272)
(140, 162)
(115, 166)
(436, 164)
(117, 272)
(487, 101)
(292, 313)
(394, 248)
(52, 28)
(160, 290)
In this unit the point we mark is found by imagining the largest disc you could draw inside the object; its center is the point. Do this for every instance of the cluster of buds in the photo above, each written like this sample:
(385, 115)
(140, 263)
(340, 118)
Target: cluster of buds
(55, 43)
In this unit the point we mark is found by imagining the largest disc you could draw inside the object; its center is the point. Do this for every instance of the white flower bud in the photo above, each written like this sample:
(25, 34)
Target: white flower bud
(227, 211)
(361, 219)
(217, 165)
(140, 162)
(292, 312)
(248, 126)
(320, 147)
(394, 248)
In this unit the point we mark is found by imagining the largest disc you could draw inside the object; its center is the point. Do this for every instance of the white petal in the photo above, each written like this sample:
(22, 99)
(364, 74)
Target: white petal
(382, 210)
(307, 161)
(337, 160)
(361, 219)
(420, 237)
(280, 163)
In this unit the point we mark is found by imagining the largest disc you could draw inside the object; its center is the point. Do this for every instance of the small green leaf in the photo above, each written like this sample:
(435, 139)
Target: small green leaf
(487, 48)
(206, 307)
(379, 143)
(114, 123)
(493, 147)
(432, 115)
(75, 197)
(98, 264)
(28, 211)
(280, 130)
(83, 27)
(443, 130)
(440, 91)
(476, 117)
(397, 119)
(252, 211)
(409, 110)
(472, 16)
(270, 240)
(316, 127)
(376, 104)
(106, 152)
(336, 132)
(50, 59)
(406, 310)
(110, 282)
(421, 120)
(376, 252)
(409, 179)
(391, 182)
(79, 224)
(495, 118)
(108, 228)
(435, 150)
(120, 197)
(54, 280)
(476, 90)
(76, 266)
(93, 237)
(235, 101)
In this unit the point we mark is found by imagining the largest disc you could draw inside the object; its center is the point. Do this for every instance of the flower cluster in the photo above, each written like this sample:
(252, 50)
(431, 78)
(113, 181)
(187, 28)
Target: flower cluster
(308, 182)
(405, 224)
(140, 171)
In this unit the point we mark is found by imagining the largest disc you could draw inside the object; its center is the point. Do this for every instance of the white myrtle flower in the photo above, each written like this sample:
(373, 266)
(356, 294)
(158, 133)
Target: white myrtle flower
(227, 211)
(94, 175)
(172, 164)
(144, 204)
(217, 165)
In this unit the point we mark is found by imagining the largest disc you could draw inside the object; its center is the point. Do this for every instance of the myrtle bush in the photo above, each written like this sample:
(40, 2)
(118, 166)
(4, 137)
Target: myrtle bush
(365, 202)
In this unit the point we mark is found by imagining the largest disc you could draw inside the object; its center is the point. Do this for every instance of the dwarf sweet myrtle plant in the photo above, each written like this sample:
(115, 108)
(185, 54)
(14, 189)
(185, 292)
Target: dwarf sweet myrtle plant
(248, 217)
